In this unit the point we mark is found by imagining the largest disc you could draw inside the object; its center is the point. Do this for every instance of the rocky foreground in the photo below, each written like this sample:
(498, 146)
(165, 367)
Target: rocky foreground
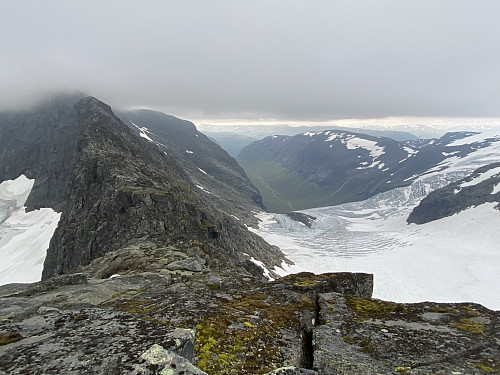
(174, 315)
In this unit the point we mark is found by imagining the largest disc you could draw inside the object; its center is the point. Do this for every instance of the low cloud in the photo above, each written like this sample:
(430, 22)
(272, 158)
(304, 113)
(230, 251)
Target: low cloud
(282, 59)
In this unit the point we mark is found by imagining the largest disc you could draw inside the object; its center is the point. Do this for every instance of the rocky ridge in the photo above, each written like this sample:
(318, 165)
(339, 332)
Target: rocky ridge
(123, 190)
(215, 174)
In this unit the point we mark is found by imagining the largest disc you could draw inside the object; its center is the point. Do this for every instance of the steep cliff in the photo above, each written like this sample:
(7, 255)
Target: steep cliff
(123, 190)
(40, 143)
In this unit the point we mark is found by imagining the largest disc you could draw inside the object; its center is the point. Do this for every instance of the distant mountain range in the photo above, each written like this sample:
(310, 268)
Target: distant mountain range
(324, 168)
(234, 137)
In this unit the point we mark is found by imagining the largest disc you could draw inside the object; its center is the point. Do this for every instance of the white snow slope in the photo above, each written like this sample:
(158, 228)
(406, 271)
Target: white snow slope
(24, 236)
(454, 259)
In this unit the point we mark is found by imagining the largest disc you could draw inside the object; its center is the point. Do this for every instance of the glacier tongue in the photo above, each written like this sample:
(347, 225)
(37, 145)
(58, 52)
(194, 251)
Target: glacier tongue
(454, 259)
(24, 236)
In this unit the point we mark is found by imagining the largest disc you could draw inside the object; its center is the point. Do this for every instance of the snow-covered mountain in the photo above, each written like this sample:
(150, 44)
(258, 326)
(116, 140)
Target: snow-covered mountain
(452, 258)
(233, 138)
(315, 169)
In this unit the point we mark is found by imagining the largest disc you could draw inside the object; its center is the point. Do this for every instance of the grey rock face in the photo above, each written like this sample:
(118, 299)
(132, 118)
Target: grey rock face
(123, 189)
(358, 284)
(166, 362)
(87, 340)
(41, 144)
(189, 264)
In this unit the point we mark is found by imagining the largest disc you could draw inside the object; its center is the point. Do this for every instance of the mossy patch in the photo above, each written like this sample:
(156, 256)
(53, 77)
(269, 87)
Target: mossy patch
(372, 308)
(235, 341)
(303, 281)
(472, 312)
(136, 307)
(213, 286)
(223, 349)
(9, 337)
(444, 310)
(490, 366)
(402, 370)
(129, 292)
(468, 325)
(205, 224)
(306, 280)
(350, 340)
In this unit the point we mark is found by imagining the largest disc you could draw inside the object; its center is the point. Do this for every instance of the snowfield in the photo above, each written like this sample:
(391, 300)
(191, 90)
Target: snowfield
(454, 259)
(24, 236)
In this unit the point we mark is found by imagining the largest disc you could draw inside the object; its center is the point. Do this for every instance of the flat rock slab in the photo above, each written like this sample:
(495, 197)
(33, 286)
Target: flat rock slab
(226, 323)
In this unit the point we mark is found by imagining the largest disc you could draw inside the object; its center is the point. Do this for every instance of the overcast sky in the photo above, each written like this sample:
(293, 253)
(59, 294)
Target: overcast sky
(296, 60)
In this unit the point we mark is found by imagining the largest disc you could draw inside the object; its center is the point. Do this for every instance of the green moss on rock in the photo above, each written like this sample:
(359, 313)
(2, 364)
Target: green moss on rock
(490, 366)
(234, 341)
(372, 308)
(136, 307)
(468, 325)
(9, 337)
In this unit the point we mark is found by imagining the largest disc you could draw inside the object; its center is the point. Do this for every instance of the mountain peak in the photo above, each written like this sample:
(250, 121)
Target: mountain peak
(91, 104)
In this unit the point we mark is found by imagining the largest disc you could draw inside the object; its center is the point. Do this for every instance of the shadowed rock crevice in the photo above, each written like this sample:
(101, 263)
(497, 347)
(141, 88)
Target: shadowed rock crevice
(307, 358)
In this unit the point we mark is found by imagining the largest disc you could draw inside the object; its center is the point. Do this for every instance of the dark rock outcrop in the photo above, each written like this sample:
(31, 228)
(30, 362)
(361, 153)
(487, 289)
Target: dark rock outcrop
(301, 217)
(123, 190)
(41, 143)
(454, 197)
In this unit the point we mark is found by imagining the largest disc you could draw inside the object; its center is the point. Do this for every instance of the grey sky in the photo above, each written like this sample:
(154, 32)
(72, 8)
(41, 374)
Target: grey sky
(306, 60)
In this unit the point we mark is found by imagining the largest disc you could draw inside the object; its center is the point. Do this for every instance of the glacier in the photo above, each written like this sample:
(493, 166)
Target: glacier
(454, 259)
(24, 236)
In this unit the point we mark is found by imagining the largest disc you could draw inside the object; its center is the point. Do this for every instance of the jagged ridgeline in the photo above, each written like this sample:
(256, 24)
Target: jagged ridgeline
(115, 188)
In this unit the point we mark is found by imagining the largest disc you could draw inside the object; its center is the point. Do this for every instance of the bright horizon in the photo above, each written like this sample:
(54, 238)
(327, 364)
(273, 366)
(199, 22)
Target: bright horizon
(363, 122)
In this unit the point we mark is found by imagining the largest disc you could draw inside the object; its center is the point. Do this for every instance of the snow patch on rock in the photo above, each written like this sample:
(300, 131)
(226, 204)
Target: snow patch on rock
(24, 236)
